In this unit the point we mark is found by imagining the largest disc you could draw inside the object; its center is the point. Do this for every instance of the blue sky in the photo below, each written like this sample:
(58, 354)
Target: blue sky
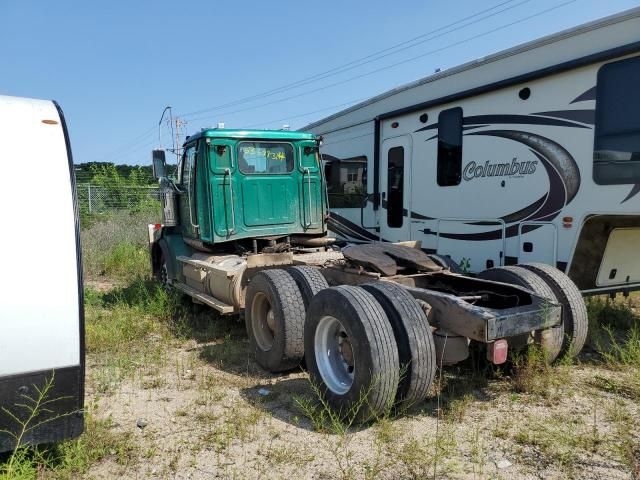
(113, 66)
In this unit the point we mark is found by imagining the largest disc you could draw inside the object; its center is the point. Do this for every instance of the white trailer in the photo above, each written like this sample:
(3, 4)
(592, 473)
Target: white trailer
(41, 311)
(527, 155)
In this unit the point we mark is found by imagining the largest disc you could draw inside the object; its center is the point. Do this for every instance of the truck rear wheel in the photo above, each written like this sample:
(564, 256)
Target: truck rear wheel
(274, 317)
(416, 350)
(352, 354)
(574, 311)
(549, 339)
(309, 280)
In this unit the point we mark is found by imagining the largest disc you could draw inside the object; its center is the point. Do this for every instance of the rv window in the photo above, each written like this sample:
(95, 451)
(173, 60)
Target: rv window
(616, 155)
(346, 182)
(450, 147)
(395, 187)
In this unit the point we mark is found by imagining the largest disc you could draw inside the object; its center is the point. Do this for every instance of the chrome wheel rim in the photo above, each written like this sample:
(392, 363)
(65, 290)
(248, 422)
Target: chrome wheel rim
(262, 321)
(334, 355)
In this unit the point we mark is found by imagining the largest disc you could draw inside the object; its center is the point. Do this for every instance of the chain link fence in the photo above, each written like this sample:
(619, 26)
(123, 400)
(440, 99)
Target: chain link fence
(98, 199)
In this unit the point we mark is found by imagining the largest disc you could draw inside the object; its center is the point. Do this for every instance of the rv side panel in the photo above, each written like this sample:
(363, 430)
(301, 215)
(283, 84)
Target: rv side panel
(41, 328)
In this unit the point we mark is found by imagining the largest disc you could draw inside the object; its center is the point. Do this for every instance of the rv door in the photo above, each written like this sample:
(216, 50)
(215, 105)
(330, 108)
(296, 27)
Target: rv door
(395, 188)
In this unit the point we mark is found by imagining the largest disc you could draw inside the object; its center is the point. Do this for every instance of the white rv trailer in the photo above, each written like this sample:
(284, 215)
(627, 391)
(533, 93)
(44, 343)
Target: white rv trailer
(527, 155)
(41, 306)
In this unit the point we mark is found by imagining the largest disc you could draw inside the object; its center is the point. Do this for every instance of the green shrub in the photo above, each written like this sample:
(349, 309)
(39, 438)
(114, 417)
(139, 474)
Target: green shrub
(117, 246)
(127, 260)
(614, 330)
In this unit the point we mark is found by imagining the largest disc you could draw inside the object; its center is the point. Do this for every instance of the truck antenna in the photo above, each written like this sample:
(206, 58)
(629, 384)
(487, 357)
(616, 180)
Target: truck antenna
(160, 123)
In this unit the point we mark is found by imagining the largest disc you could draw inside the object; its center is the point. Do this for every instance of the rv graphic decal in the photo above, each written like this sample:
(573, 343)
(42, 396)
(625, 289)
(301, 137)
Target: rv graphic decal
(587, 95)
(479, 121)
(564, 182)
(514, 169)
(634, 191)
(348, 229)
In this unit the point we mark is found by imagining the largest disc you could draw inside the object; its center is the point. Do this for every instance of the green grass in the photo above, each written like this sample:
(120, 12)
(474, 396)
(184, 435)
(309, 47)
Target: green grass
(70, 459)
(533, 375)
(115, 246)
(128, 329)
(127, 260)
(615, 331)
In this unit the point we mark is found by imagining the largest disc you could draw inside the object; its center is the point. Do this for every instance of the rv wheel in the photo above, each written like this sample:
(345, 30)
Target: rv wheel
(274, 317)
(309, 280)
(416, 350)
(574, 310)
(549, 339)
(352, 355)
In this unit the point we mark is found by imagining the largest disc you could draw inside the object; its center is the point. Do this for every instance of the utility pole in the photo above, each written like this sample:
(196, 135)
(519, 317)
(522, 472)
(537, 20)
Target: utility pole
(179, 124)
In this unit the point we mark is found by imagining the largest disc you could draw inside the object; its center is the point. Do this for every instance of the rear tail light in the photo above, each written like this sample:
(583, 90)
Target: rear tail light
(497, 351)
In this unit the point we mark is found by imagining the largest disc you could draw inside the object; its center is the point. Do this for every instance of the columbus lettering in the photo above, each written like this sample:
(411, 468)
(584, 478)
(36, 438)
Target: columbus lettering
(473, 170)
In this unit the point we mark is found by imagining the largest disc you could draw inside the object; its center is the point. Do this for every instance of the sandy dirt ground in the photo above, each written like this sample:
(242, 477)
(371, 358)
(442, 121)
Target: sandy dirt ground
(207, 411)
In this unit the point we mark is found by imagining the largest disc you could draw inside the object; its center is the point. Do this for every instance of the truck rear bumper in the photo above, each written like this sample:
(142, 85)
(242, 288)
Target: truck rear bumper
(483, 324)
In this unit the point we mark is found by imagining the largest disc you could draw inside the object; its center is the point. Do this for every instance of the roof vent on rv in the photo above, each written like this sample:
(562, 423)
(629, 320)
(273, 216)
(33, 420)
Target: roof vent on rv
(220, 125)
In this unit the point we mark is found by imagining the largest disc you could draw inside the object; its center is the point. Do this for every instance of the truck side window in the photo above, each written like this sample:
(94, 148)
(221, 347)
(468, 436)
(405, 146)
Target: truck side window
(450, 147)
(188, 181)
(188, 164)
(346, 182)
(395, 187)
(616, 150)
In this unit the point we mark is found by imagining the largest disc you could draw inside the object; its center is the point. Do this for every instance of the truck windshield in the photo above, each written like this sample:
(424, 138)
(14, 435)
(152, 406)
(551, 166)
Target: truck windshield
(265, 157)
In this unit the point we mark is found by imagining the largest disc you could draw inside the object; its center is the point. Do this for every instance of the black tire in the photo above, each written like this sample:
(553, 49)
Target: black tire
(447, 262)
(280, 346)
(574, 311)
(162, 274)
(309, 280)
(549, 339)
(374, 353)
(416, 350)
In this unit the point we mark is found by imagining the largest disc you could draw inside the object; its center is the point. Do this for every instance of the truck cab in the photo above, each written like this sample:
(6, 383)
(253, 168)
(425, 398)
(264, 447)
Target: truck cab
(238, 193)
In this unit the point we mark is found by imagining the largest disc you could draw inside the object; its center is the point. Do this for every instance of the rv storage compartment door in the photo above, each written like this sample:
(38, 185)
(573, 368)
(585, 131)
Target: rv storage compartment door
(620, 262)
(474, 243)
(538, 242)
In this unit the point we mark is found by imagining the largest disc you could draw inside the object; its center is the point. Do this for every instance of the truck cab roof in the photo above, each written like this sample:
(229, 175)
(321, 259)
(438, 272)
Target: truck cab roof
(249, 134)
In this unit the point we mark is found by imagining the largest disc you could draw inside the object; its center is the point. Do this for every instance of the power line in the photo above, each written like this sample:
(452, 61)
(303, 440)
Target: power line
(368, 58)
(131, 143)
(431, 52)
(306, 113)
(359, 62)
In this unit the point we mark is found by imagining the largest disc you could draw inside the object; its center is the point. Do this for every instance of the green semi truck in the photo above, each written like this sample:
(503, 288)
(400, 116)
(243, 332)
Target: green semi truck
(244, 231)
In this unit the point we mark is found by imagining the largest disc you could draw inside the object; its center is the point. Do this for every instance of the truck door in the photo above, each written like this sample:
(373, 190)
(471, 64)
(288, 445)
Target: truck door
(311, 185)
(224, 188)
(395, 188)
(188, 205)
